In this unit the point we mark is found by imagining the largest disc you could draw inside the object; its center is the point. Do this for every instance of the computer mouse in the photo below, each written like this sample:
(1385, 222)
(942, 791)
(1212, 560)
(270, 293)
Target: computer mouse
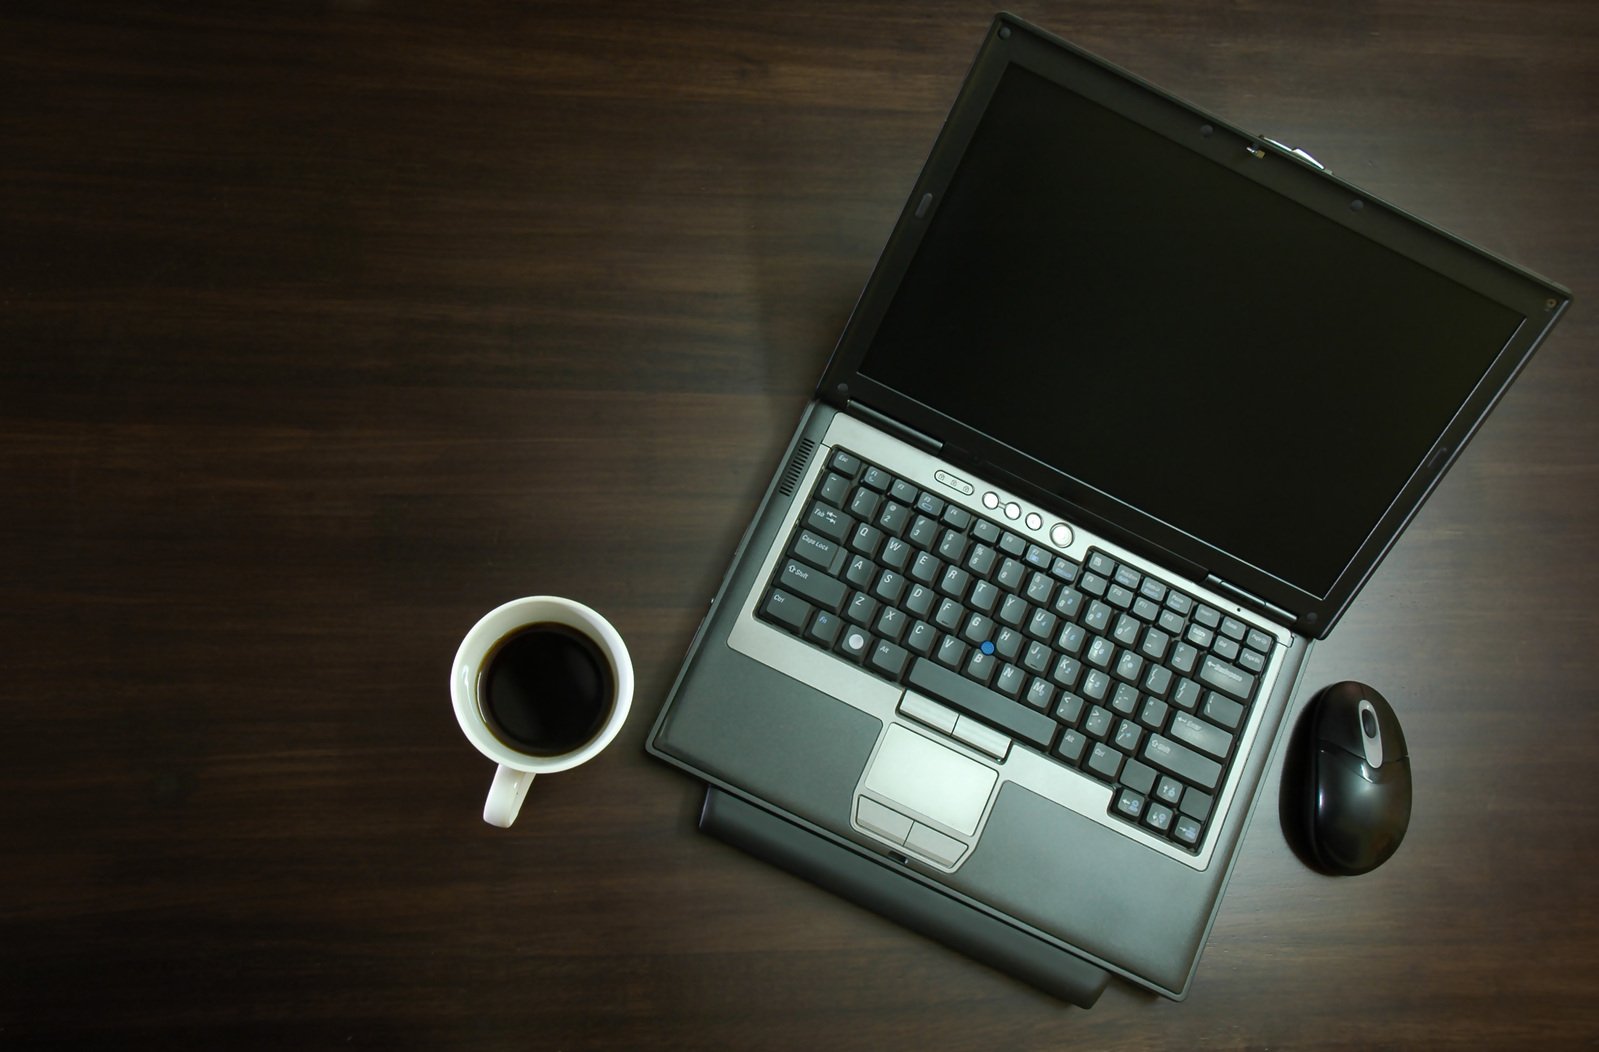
(1355, 798)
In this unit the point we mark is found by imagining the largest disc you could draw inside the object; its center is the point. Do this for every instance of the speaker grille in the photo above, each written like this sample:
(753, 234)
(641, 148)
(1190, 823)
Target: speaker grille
(796, 467)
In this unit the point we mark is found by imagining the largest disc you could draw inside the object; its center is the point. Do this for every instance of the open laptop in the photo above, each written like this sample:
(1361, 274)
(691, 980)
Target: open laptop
(1131, 407)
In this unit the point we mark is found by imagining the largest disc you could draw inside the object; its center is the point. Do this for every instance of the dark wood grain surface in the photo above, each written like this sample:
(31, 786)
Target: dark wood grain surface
(325, 327)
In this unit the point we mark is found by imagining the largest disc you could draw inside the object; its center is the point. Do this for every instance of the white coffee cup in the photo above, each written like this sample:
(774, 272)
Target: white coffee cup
(468, 684)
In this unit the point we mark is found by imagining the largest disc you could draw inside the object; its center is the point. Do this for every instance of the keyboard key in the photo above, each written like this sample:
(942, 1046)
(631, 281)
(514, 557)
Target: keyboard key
(845, 463)
(926, 568)
(855, 644)
(919, 601)
(951, 652)
(810, 583)
(1208, 616)
(1222, 710)
(894, 518)
(1011, 544)
(923, 532)
(1124, 700)
(978, 630)
(1169, 790)
(902, 491)
(1232, 628)
(1069, 709)
(1258, 640)
(1206, 737)
(866, 540)
(1011, 575)
(984, 597)
(1040, 694)
(835, 490)
(1128, 735)
(1014, 610)
(921, 639)
(1098, 723)
(1186, 830)
(878, 479)
(952, 546)
(959, 518)
(862, 608)
(889, 659)
(1070, 747)
(1197, 804)
(1096, 685)
(896, 554)
(786, 610)
(1129, 804)
(980, 667)
(1012, 717)
(981, 559)
(1137, 777)
(1153, 714)
(891, 624)
(930, 504)
(1188, 694)
(889, 587)
(1101, 563)
(1104, 762)
(1008, 644)
(986, 531)
(954, 582)
(864, 504)
(1182, 761)
(1039, 556)
(1010, 681)
(825, 628)
(1158, 817)
(860, 572)
(829, 522)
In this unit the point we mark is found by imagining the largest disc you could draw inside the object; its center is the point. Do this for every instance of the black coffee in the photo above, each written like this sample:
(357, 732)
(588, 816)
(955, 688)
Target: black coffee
(546, 689)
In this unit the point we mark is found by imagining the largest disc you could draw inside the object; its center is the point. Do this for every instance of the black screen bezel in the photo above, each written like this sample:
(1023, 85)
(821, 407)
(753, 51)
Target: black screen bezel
(1011, 41)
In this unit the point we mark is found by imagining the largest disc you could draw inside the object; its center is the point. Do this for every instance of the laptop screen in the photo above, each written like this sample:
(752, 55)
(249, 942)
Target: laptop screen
(1178, 337)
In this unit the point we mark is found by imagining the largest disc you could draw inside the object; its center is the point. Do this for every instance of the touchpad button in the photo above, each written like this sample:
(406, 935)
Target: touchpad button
(931, 779)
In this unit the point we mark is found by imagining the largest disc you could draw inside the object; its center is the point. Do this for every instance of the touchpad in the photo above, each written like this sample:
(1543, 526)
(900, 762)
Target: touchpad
(930, 778)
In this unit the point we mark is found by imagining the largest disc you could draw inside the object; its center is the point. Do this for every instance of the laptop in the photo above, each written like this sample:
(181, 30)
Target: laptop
(1131, 407)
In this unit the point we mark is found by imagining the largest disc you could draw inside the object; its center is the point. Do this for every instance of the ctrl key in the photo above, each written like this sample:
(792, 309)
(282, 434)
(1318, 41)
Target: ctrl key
(786, 610)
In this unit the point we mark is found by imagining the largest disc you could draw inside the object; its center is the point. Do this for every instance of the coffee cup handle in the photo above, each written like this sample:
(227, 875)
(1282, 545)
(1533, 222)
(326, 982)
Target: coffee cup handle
(506, 795)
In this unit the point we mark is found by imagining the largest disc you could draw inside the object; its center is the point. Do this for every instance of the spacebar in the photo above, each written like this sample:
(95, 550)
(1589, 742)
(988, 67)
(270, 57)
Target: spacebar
(956, 690)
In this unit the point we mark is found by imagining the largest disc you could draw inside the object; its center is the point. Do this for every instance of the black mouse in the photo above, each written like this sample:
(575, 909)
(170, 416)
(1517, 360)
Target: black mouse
(1348, 789)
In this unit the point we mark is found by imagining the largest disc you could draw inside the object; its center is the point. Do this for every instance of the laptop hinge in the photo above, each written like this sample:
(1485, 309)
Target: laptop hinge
(893, 427)
(1254, 602)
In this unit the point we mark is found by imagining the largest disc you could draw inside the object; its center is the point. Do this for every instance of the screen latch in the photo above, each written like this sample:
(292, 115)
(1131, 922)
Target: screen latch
(1285, 148)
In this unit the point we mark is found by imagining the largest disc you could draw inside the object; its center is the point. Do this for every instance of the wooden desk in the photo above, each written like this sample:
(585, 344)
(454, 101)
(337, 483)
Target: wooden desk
(322, 332)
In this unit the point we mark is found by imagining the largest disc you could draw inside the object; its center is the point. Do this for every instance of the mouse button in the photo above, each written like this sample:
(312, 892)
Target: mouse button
(1338, 725)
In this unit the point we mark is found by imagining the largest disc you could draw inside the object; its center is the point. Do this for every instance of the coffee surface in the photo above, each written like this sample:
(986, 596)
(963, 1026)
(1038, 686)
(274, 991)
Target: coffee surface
(547, 689)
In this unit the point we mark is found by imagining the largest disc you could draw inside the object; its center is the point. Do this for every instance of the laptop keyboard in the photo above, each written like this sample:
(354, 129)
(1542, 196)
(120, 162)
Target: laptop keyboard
(1103, 668)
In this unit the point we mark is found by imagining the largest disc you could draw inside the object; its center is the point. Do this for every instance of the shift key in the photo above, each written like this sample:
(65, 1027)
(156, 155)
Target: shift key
(807, 582)
(1182, 761)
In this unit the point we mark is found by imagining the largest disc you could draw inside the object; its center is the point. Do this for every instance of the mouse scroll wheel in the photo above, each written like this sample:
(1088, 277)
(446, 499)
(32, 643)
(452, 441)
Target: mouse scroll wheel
(1371, 734)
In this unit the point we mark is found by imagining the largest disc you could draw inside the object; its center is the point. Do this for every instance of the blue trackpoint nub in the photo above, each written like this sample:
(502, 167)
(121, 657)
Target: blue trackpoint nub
(987, 647)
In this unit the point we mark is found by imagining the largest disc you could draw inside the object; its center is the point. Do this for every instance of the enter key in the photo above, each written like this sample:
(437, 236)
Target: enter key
(1204, 736)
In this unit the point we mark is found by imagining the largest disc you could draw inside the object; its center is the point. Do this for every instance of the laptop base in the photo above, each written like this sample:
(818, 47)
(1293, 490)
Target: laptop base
(906, 902)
